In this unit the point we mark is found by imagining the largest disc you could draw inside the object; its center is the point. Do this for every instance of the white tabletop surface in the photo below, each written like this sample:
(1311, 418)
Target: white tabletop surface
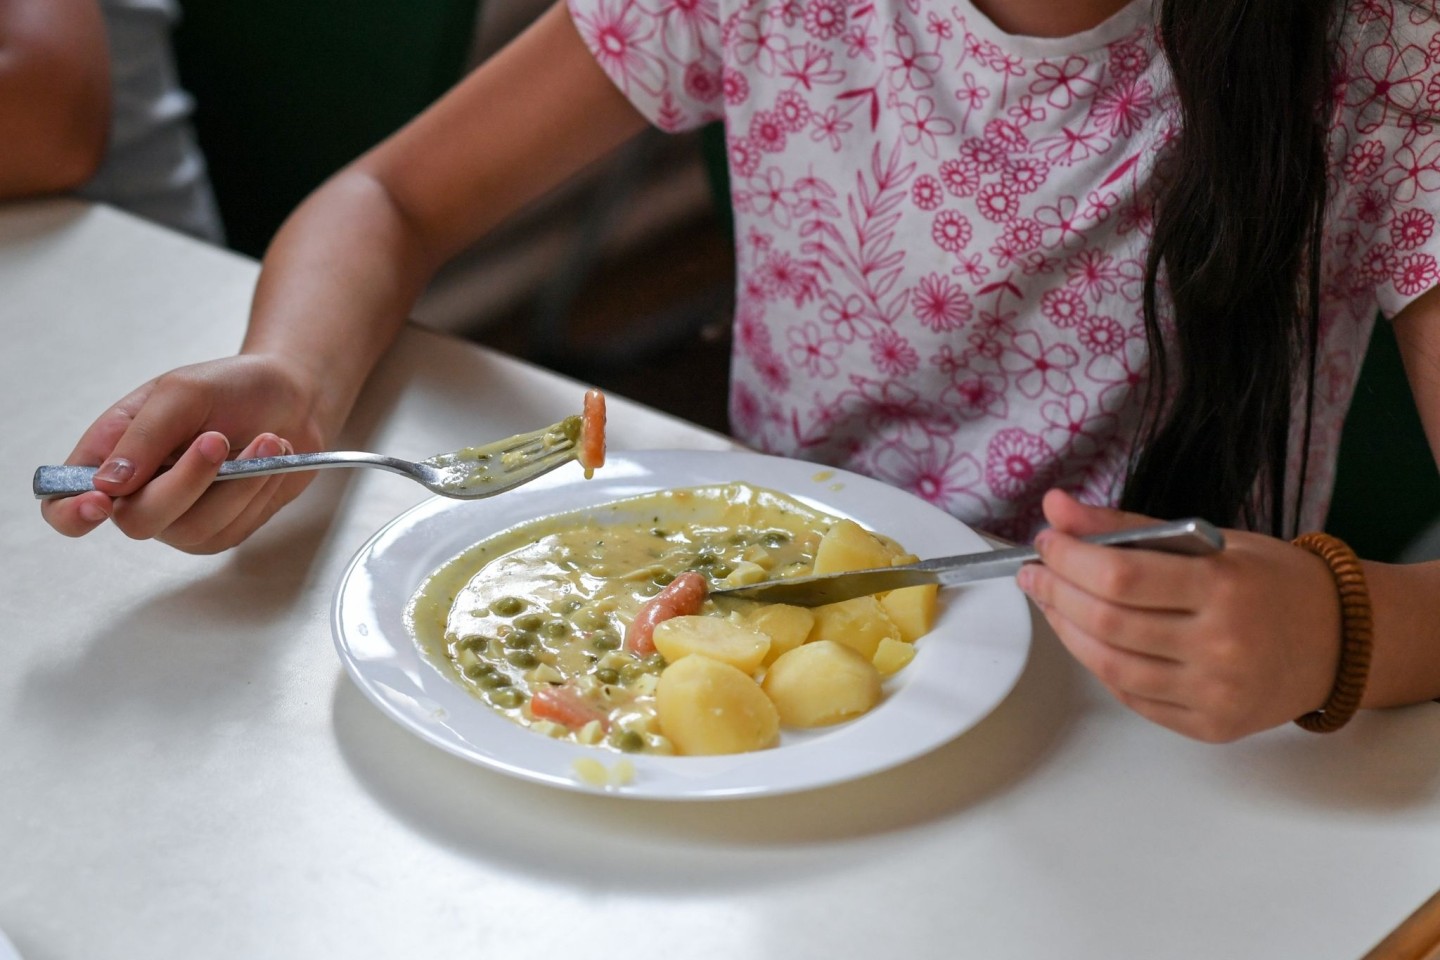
(186, 770)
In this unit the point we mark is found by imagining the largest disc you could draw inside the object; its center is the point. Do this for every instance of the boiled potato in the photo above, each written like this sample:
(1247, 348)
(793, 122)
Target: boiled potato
(709, 707)
(716, 638)
(786, 626)
(860, 624)
(911, 609)
(849, 546)
(892, 655)
(821, 683)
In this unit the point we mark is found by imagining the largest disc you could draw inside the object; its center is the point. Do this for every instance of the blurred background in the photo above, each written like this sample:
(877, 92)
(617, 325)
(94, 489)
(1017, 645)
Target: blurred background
(622, 278)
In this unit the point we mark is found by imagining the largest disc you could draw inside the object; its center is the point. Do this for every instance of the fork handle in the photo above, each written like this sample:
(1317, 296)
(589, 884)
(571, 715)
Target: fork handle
(53, 482)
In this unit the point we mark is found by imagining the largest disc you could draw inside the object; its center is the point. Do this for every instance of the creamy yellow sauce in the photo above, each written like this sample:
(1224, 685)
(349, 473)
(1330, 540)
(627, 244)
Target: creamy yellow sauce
(549, 601)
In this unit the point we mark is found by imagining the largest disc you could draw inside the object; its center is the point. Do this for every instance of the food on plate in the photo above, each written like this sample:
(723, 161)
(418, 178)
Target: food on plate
(820, 683)
(706, 706)
(718, 638)
(683, 595)
(596, 626)
(859, 623)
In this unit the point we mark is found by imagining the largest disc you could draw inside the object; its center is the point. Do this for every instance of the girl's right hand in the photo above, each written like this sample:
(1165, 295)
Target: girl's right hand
(190, 420)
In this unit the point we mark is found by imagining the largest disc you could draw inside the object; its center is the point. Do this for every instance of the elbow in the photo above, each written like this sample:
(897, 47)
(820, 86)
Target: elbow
(57, 130)
(77, 159)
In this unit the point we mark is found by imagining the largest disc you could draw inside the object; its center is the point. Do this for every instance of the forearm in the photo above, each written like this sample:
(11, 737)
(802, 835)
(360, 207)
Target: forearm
(1405, 605)
(337, 284)
(54, 95)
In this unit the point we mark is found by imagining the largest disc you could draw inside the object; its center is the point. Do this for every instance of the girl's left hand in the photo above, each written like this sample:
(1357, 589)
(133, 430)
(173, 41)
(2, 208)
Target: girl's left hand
(1214, 647)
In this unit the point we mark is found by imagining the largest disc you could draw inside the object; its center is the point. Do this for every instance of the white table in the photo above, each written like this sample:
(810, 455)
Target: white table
(186, 771)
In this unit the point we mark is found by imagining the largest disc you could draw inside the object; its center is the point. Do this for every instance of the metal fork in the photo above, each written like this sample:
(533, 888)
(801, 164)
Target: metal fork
(470, 473)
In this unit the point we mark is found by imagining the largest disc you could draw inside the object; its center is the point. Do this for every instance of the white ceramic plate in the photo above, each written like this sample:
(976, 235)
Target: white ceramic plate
(961, 670)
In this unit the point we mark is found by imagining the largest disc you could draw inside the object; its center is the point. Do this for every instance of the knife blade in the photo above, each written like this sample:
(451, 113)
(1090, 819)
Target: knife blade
(1192, 537)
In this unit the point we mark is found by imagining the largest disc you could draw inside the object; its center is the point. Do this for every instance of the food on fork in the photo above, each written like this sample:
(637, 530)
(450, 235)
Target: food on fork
(596, 626)
(591, 454)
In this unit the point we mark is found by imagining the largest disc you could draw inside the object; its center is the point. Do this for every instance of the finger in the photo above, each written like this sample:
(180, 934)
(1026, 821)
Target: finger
(1121, 671)
(221, 503)
(76, 516)
(280, 491)
(1127, 576)
(1153, 633)
(99, 439)
(159, 503)
(165, 422)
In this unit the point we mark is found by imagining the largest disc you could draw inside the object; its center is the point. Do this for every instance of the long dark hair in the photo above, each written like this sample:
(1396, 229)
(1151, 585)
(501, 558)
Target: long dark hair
(1237, 234)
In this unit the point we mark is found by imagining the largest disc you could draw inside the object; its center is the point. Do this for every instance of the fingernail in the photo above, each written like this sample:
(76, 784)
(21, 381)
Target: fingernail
(92, 512)
(1025, 578)
(115, 470)
(270, 447)
(213, 447)
(1043, 539)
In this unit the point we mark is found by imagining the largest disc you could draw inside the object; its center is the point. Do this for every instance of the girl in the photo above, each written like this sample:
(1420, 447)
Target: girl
(1031, 259)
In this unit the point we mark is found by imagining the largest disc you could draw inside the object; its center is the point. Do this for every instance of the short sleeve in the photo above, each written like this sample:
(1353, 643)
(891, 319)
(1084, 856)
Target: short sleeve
(1389, 117)
(664, 55)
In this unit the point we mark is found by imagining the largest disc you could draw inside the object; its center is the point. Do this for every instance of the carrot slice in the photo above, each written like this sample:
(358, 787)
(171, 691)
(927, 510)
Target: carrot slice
(592, 433)
(564, 705)
(681, 597)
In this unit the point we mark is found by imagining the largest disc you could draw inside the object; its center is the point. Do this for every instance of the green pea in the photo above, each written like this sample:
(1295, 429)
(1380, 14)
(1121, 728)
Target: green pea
(507, 606)
(507, 698)
(478, 670)
(630, 742)
(632, 671)
(653, 663)
(473, 643)
(605, 640)
(589, 619)
(776, 539)
(720, 571)
(523, 659)
(663, 579)
(555, 629)
(648, 590)
(530, 621)
(520, 640)
(495, 680)
(607, 675)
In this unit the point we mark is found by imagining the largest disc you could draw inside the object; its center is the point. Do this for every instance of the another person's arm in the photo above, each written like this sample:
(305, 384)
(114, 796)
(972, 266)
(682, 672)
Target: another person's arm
(54, 95)
(1224, 646)
(338, 283)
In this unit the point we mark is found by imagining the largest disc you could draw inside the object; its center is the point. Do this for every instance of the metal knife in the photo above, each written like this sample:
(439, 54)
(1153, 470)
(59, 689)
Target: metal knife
(1193, 537)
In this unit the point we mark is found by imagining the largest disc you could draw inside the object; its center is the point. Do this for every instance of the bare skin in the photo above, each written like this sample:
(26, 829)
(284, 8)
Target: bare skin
(1215, 648)
(1048, 18)
(54, 95)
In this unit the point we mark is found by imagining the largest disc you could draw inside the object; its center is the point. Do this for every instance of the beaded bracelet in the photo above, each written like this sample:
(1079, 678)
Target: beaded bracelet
(1356, 634)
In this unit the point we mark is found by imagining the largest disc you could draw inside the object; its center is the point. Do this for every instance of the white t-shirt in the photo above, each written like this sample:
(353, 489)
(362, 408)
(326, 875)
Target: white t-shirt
(941, 228)
(153, 166)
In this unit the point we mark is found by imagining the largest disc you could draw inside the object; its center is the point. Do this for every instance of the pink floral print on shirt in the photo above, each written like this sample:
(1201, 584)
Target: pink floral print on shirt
(941, 230)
